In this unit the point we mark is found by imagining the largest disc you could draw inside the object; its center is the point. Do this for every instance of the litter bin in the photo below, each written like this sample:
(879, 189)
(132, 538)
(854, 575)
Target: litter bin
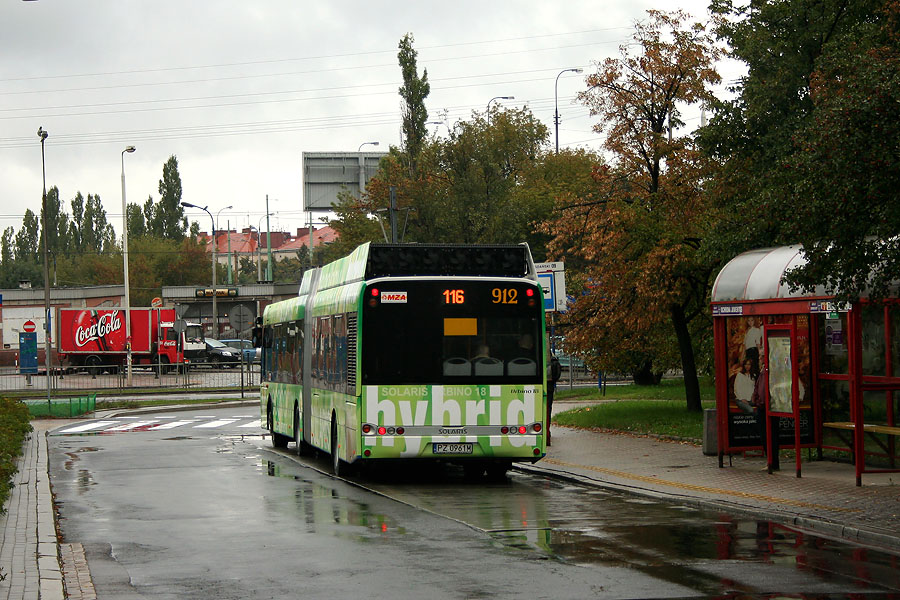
(710, 432)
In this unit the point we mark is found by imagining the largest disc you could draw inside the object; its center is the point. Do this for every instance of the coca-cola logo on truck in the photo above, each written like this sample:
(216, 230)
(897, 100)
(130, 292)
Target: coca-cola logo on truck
(99, 326)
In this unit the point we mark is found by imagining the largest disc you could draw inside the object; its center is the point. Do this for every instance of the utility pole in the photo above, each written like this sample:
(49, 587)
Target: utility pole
(268, 243)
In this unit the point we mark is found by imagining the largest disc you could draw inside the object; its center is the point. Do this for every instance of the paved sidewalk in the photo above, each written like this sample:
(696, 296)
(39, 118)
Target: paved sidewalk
(825, 500)
(29, 555)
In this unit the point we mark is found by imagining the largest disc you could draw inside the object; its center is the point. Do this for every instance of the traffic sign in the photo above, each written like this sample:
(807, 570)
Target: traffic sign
(29, 326)
(552, 277)
(156, 302)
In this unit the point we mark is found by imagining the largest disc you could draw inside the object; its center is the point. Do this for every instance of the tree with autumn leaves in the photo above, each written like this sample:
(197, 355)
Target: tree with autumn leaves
(644, 287)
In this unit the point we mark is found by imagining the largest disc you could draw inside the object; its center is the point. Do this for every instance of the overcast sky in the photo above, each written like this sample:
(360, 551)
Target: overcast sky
(237, 90)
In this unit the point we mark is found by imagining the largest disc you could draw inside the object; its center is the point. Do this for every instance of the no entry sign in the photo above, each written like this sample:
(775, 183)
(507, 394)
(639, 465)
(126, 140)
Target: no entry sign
(28, 326)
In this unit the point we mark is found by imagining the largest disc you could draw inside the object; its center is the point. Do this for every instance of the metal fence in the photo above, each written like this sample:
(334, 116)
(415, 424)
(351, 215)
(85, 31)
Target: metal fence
(67, 382)
(62, 407)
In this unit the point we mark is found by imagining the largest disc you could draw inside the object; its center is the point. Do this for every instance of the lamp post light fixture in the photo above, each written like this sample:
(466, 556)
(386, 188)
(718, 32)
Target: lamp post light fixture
(47, 327)
(556, 101)
(488, 109)
(128, 369)
(366, 144)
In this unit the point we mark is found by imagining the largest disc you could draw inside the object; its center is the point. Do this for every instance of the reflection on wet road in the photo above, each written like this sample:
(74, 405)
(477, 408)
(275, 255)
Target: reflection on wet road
(715, 554)
(215, 513)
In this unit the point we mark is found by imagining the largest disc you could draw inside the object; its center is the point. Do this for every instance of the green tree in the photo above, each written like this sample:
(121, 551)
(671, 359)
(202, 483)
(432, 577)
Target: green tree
(96, 233)
(76, 225)
(26, 241)
(137, 225)
(57, 224)
(640, 233)
(166, 218)
(7, 250)
(413, 93)
(807, 153)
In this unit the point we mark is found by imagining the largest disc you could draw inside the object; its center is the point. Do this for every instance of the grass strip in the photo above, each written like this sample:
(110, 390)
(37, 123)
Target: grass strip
(14, 426)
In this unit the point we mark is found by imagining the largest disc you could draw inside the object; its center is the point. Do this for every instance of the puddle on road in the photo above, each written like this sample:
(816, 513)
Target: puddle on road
(325, 510)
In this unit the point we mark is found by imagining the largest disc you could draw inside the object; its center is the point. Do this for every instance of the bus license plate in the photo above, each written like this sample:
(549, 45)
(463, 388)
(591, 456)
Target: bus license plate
(440, 448)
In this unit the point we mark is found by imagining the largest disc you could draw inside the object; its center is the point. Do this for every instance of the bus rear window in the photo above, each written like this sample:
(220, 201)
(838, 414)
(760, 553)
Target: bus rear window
(421, 332)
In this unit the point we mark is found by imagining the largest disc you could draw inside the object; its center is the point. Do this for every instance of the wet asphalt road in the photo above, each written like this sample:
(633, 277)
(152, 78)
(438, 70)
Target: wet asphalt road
(197, 505)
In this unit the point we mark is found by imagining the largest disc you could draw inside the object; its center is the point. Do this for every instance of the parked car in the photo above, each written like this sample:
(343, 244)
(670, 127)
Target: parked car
(218, 354)
(251, 354)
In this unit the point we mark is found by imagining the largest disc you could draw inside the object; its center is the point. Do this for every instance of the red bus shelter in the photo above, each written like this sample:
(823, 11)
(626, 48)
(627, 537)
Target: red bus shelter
(833, 369)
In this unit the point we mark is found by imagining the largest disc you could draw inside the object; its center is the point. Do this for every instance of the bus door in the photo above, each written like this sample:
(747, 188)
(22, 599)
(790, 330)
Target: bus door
(306, 348)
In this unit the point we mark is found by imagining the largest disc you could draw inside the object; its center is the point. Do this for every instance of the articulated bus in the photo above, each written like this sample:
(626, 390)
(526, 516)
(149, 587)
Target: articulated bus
(409, 351)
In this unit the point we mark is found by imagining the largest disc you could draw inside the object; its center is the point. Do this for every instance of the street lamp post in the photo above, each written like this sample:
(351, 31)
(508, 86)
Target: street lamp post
(128, 370)
(556, 101)
(47, 327)
(488, 109)
(215, 316)
(362, 179)
(268, 243)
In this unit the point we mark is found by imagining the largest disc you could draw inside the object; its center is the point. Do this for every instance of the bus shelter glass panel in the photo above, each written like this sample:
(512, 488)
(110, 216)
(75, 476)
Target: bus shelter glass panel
(780, 374)
(874, 349)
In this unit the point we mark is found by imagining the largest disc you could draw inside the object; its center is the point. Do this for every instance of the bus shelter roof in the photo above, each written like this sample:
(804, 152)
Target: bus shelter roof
(757, 275)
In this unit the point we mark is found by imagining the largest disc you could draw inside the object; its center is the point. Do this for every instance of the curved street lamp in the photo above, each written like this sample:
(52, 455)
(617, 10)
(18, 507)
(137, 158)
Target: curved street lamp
(128, 370)
(556, 101)
(488, 109)
(366, 144)
(215, 316)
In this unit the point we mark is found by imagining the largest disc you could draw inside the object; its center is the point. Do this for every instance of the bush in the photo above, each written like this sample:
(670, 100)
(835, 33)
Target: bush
(14, 425)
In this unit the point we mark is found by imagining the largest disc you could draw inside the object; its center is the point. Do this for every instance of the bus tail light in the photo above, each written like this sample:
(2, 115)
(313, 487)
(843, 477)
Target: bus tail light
(504, 430)
(366, 428)
(400, 431)
(536, 427)
(382, 430)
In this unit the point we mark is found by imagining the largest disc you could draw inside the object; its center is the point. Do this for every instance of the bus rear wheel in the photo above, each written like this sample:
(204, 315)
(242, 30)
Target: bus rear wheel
(336, 467)
(302, 447)
(278, 440)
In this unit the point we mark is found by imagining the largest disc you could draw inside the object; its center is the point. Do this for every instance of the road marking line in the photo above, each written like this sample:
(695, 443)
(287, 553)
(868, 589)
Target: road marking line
(255, 423)
(88, 426)
(128, 426)
(700, 488)
(212, 424)
(170, 425)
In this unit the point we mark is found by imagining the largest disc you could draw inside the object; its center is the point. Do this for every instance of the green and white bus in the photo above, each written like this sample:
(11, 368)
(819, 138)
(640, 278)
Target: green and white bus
(409, 351)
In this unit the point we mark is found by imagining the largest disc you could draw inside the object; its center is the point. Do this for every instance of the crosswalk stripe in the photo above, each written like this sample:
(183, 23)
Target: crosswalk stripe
(170, 425)
(255, 423)
(127, 426)
(218, 423)
(88, 426)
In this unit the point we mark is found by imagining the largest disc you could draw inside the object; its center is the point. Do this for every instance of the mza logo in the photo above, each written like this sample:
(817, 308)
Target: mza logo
(393, 297)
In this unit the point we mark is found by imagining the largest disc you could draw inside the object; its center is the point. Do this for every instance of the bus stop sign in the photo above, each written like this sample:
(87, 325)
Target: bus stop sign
(552, 277)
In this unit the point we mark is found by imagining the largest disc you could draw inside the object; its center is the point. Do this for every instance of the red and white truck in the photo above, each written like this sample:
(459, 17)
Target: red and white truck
(95, 338)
